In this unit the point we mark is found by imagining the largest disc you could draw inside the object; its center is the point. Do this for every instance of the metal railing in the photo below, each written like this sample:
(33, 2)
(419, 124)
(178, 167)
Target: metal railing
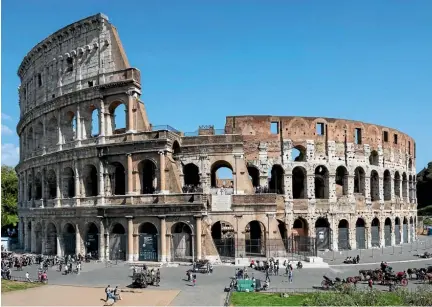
(164, 128)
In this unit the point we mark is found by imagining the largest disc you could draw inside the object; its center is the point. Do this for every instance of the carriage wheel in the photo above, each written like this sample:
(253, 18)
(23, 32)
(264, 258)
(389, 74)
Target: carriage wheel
(404, 282)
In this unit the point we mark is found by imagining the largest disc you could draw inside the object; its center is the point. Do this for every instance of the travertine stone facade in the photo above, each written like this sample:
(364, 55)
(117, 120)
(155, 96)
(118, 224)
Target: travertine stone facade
(148, 192)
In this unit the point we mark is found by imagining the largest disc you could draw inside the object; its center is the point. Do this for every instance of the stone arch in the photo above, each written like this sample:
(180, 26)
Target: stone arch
(38, 237)
(51, 180)
(68, 127)
(321, 182)
(254, 175)
(276, 183)
(30, 140)
(397, 231)
(182, 242)
(397, 184)
(374, 158)
(38, 186)
(359, 181)
(117, 242)
(69, 239)
(117, 177)
(90, 180)
(216, 181)
(361, 233)
(223, 236)
(51, 239)
(92, 240)
(298, 153)
(375, 232)
(191, 176)
(300, 227)
(387, 185)
(374, 186)
(52, 133)
(68, 183)
(299, 182)
(176, 148)
(148, 242)
(404, 185)
(387, 231)
(147, 173)
(283, 232)
(39, 135)
(322, 233)
(405, 229)
(343, 235)
(341, 181)
(118, 117)
(255, 239)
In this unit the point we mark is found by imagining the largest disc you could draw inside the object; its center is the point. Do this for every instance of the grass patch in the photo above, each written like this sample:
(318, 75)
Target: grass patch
(10, 285)
(266, 299)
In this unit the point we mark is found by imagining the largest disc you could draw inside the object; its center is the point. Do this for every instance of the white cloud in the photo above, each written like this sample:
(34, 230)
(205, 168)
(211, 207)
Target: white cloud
(9, 154)
(6, 130)
(4, 116)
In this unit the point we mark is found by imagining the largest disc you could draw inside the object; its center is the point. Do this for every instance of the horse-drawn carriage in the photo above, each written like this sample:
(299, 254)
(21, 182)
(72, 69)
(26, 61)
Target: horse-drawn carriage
(202, 266)
(143, 278)
(385, 277)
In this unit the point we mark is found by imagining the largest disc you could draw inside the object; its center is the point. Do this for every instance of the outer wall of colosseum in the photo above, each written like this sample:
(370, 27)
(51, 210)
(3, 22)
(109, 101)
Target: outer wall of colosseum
(144, 192)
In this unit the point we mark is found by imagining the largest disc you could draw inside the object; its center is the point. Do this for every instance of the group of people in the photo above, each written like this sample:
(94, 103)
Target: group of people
(192, 188)
(113, 294)
(352, 260)
(67, 264)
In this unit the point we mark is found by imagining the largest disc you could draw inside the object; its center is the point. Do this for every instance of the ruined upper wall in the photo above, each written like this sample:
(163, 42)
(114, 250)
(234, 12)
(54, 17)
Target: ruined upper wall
(392, 144)
(78, 56)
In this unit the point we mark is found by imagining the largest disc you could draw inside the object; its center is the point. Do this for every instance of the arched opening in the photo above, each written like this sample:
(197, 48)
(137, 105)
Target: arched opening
(221, 175)
(321, 182)
(343, 235)
(361, 234)
(223, 238)
(38, 186)
(30, 140)
(51, 240)
(276, 183)
(359, 181)
(298, 154)
(148, 242)
(39, 136)
(68, 127)
(410, 188)
(405, 230)
(374, 158)
(117, 242)
(254, 175)
(147, 171)
(118, 114)
(69, 239)
(375, 232)
(341, 181)
(92, 241)
(94, 125)
(255, 239)
(322, 232)
(38, 238)
(176, 148)
(374, 186)
(412, 229)
(51, 180)
(404, 186)
(117, 178)
(283, 232)
(191, 178)
(30, 187)
(299, 183)
(90, 181)
(387, 232)
(68, 183)
(397, 184)
(182, 242)
(387, 185)
(300, 232)
(52, 134)
(397, 231)
(409, 164)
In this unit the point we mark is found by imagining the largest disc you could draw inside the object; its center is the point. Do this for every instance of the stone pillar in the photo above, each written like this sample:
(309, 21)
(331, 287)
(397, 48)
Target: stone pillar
(288, 186)
(25, 188)
(44, 136)
(310, 188)
(163, 235)
(130, 118)
(77, 182)
(129, 175)
(407, 191)
(381, 188)
(162, 167)
(393, 233)
(130, 239)
(33, 237)
(58, 187)
(198, 236)
(102, 122)
(21, 233)
(331, 187)
(101, 179)
(26, 234)
(78, 126)
(368, 237)
(367, 190)
(101, 240)
(350, 188)
(381, 233)
(77, 239)
(59, 131)
(59, 245)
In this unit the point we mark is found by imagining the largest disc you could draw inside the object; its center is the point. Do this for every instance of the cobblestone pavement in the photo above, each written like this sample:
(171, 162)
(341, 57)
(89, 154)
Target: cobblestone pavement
(392, 253)
(209, 289)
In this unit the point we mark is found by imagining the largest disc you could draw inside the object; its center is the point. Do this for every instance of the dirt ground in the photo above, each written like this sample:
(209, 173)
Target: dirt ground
(83, 296)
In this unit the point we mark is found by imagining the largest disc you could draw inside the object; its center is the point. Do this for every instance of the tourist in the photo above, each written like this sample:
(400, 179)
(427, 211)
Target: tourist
(27, 276)
(116, 294)
(107, 292)
(290, 274)
(267, 277)
(194, 279)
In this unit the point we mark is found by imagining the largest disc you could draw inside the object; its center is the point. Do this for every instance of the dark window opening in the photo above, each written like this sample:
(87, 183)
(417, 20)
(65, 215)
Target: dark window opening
(90, 84)
(385, 136)
(414, 150)
(395, 139)
(53, 96)
(320, 129)
(39, 80)
(69, 63)
(358, 136)
(409, 147)
(274, 128)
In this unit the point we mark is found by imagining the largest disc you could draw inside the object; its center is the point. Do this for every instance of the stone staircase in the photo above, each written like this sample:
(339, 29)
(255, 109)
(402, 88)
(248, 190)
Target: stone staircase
(221, 202)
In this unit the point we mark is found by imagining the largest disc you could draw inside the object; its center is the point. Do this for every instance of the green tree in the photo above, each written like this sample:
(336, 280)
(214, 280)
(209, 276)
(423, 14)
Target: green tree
(9, 196)
(424, 186)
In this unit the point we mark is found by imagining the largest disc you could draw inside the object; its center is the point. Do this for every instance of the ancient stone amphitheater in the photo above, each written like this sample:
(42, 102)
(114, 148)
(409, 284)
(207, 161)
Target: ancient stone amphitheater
(154, 193)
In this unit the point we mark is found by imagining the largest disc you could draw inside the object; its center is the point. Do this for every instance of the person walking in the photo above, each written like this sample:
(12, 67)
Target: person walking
(290, 274)
(194, 279)
(107, 292)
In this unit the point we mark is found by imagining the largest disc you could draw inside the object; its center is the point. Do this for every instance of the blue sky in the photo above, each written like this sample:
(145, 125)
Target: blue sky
(203, 60)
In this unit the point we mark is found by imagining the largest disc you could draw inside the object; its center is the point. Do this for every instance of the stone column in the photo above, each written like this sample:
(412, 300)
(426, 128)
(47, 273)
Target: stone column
(381, 188)
(26, 234)
(367, 188)
(77, 239)
(409, 232)
(162, 167)
(101, 179)
(58, 187)
(78, 126)
(310, 188)
(198, 236)
(331, 187)
(77, 182)
(368, 237)
(393, 233)
(59, 245)
(163, 235)
(102, 122)
(381, 233)
(44, 138)
(130, 238)
(129, 175)
(407, 191)
(350, 188)
(288, 186)
(33, 237)
(101, 240)
(25, 188)
(21, 233)
(130, 118)
(59, 131)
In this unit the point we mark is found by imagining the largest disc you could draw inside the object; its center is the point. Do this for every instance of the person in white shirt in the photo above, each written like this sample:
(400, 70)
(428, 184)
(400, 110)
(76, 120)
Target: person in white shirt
(27, 276)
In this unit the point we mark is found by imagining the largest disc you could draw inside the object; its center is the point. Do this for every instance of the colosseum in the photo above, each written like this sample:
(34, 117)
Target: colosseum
(154, 193)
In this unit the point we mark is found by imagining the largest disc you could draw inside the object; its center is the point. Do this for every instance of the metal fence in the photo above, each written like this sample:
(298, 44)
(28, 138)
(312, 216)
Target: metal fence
(164, 128)
(22, 279)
